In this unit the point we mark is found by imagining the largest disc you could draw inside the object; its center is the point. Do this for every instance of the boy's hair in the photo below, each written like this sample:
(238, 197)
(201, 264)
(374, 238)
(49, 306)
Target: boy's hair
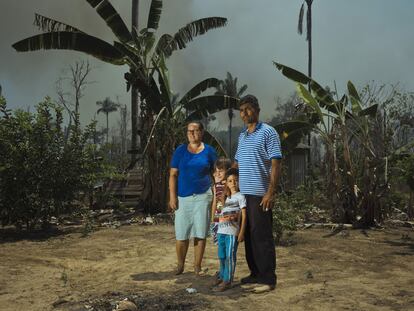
(222, 163)
(233, 171)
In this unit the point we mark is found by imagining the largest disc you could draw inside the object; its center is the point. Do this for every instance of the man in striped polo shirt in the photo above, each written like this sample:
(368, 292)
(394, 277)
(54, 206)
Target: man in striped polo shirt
(258, 159)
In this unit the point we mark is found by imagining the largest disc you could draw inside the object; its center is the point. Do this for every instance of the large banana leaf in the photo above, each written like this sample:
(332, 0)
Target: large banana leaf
(196, 28)
(292, 74)
(322, 96)
(47, 24)
(371, 111)
(152, 95)
(199, 88)
(354, 97)
(154, 14)
(130, 53)
(64, 40)
(209, 138)
(164, 89)
(112, 19)
(291, 133)
(203, 106)
(164, 46)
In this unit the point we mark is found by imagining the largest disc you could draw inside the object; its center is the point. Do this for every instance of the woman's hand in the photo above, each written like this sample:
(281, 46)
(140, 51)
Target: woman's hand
(172, 182)
(173, 204)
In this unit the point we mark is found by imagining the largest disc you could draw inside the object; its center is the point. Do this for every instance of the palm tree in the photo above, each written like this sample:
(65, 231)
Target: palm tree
(132, 48)
(309, 39)
(107, 106)
(308, 31)
(228, 87)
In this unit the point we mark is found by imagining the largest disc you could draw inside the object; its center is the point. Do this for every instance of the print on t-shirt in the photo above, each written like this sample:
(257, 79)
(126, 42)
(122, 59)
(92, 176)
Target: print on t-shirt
(229, 220)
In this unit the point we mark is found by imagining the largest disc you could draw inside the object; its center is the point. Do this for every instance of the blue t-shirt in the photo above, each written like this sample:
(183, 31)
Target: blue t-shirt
(193, 169)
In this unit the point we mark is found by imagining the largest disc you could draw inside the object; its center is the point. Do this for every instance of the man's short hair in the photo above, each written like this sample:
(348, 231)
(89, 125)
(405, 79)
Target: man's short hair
(250, 99)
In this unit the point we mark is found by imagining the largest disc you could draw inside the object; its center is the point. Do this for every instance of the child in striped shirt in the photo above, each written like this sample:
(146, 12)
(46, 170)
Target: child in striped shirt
(220, 167)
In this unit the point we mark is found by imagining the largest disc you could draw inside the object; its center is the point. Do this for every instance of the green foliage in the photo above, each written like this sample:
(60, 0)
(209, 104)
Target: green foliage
(291, 209)
(40, 174)
(88, 222)
(406, 168)
(354, 162)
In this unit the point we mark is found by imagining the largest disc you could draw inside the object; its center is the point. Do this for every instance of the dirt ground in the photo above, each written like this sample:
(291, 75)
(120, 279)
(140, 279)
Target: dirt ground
(351, 270)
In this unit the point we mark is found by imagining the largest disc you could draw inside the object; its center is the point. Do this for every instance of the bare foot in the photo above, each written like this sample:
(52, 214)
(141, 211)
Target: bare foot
(179, 270)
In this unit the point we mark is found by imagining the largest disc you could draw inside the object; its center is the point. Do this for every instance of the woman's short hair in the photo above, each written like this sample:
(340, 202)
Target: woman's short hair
(200, 125)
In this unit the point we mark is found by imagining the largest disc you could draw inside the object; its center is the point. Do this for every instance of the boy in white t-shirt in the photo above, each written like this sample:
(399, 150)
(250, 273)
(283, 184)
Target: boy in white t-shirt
(231, 228)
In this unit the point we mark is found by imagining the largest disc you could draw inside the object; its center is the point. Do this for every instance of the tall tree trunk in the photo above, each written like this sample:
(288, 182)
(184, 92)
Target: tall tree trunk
(309, 38)
(107, 126)
(230, 113)
(134, 94)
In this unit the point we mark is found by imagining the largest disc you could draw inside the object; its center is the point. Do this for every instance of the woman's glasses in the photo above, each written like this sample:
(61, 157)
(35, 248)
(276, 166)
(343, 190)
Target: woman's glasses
(193, 131)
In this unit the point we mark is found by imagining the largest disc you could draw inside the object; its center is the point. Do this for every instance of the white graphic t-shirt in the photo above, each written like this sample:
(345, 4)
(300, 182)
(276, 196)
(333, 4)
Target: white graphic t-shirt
(229, 220)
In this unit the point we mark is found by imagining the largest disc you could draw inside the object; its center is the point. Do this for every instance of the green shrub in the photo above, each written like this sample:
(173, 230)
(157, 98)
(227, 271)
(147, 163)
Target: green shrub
(41, 172)
(292, 208)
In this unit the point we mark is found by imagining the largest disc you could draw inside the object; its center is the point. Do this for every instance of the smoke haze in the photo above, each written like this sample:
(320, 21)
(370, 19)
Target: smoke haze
(352, 40)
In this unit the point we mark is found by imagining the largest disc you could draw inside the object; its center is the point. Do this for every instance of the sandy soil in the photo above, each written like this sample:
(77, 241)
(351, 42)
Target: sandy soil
(352, 270)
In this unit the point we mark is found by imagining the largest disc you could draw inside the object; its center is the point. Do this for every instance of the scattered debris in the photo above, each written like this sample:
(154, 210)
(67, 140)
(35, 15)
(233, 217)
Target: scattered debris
(116, 301)
(126, 305)
(308, 274)
(59, 302)
(191, 290)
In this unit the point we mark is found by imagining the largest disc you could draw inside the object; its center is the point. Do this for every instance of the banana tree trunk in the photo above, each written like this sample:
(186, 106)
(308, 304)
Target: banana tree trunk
(350, 196)
(135, 111)
(410, 211)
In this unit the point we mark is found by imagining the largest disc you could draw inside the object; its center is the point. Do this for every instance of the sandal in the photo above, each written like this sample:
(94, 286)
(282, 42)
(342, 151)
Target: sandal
(200, 272)
(222, 287)
(217, 282)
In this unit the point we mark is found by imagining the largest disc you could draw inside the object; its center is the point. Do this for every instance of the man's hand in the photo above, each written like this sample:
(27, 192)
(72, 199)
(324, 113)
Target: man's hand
(267, 202)
(240, 237)
(173, 204)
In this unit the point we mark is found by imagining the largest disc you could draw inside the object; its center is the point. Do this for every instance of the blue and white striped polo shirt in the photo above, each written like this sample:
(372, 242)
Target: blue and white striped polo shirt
(254, 155)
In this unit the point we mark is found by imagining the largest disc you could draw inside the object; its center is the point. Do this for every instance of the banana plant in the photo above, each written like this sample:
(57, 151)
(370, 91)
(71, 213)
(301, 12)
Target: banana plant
(135, 49)
(168, 130)
(350, 127)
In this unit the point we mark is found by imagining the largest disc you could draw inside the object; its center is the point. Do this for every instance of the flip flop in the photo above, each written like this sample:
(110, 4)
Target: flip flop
(200, 272)
(222, 287)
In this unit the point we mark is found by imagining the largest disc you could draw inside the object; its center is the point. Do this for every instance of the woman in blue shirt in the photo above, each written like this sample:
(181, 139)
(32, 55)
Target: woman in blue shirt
(190, 194)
